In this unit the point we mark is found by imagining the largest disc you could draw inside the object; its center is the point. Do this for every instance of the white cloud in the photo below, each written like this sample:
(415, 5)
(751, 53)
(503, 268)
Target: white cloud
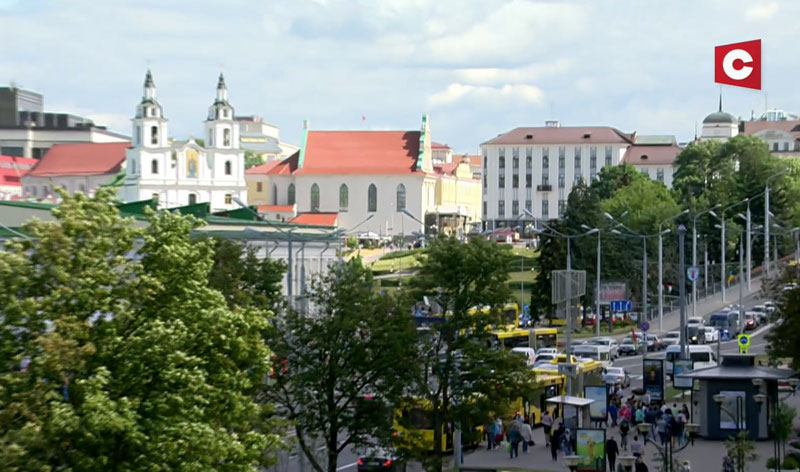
(762, 12)
(520, 94)
(529, 73)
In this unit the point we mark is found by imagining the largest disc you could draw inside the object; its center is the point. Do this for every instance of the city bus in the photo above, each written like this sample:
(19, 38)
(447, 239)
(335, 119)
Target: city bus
(536, 339)
(548, 384)
(413, 428)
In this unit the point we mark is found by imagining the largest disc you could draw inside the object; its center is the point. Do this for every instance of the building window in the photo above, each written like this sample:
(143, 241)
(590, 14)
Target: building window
(372, 198)
(592, 163)
(785, 146)
(514, 207)
(154, 166)
(561, 181)
(660, 175)
(501, 163)
(274, 194)
(528, 179)
(501, 181)
(515, 181)
(290, 194)
(529, 206)
(562, 208)
(154, 135)
(645, 173)
(401, 197)
(515, 163)
(259, 187)
(608, 155)
(484, 209)
(593, 175)
(154, 197)
(192, 198)
(136, 137)
(545, 208)
(501, 208)
(228, 170)
(774, 146)
(225, 113)
(562, 156)
(577, 157)
(210, 138)
(314, 197)
(83, 188)
(344, 197)
(226, 137)
(545, 180)
(228, 199)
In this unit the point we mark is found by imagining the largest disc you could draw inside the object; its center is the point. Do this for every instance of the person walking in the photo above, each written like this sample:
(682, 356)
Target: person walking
(514, 438)
(611, 452)
(566, 442)
(492, 432)
(527, 436)
(637, 448)
(555, 439)
(498, 440)
(612, 412)
(624, 427)
(639, 415)
(640, 465)
(661, 429)
(547, 423)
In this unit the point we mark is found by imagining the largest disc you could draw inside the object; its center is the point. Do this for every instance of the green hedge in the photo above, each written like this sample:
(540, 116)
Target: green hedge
(398, 254)
(394, 282)
(526, 286)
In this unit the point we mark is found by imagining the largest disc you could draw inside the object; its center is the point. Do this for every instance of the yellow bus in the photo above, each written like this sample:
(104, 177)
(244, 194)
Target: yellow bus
(413, 428)
(548, 384)
(544, 337)
(522, 337)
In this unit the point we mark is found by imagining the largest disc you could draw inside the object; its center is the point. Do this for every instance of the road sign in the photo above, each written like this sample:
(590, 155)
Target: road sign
(621, 305)
(744, 343)
(724, 336)
(693, 273)
(526, 308)
(645, 326)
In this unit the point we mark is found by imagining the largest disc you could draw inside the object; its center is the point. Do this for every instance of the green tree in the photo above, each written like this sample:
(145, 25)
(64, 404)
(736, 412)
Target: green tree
(244, 279)
(785, 341)
(613, 178)
(462, 377)
(252, 159)
(352, 343)
(118, 356)
(741, 450)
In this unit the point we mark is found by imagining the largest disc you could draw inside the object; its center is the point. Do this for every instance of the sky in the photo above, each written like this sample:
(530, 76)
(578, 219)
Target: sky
(479, 68)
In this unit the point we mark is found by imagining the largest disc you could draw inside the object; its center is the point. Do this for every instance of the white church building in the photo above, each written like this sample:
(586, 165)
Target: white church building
(181, 173)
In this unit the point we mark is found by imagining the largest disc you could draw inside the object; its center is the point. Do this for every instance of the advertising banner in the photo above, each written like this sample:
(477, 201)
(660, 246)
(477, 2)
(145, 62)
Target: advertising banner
(611, 291)
(682, 366)
(598, 411)
(654, 378)
(591, 447)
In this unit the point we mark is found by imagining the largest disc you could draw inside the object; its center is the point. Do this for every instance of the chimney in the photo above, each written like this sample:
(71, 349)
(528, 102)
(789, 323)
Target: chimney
(552, 124)
(306, 124)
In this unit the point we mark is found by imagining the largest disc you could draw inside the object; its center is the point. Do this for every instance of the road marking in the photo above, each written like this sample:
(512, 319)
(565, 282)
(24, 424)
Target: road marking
(347, 466)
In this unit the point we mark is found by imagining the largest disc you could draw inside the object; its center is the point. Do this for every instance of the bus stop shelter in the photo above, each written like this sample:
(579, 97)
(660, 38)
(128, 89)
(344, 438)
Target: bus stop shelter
(574, 411)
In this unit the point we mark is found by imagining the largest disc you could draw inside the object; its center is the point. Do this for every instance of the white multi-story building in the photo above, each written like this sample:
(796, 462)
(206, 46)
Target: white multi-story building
(654, 157)
(534, 169)
(184, 172)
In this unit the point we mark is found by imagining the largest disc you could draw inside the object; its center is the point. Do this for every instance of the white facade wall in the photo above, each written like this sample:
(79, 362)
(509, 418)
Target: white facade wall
(39, 187)
(31, 138)
(540, 199)
(420, 199)
(778, 141)
(653, 172)
(719, 131)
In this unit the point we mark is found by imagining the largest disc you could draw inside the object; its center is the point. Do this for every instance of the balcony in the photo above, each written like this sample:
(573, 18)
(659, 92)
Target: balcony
(544, 187)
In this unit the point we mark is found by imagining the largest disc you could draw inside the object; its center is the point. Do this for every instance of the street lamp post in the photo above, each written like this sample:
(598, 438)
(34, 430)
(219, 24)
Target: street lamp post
(597, 283)
(766, 219)
(668, 450)
(661, 269)
(723, 243)
(710, 211)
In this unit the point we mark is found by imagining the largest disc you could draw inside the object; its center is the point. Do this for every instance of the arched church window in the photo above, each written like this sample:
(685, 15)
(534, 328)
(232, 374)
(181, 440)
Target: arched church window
(154, 166)
(290, 194)
(344, 197)
(192, 198)
(315, 197)
(226, 137)
(401, 197)
(154, 135)
(228, 168)
(372, 198)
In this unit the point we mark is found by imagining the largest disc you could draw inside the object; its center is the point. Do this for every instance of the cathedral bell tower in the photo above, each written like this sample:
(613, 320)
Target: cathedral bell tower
(149, 124)
(222, 130)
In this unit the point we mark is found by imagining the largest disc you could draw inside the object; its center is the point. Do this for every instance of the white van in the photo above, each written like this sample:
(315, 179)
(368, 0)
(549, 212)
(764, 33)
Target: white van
(594, 352)
(703, 356)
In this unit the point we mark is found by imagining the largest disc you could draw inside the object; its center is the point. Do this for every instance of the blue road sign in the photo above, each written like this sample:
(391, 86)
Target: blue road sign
(645, 326)
(693, 273)
(621, 305)
(725, 336)
(526, 308)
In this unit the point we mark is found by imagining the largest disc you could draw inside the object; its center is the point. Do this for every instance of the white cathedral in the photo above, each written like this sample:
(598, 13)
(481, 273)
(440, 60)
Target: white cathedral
(178, 173)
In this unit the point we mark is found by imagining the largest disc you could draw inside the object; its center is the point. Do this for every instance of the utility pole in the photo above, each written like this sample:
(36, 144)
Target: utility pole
(766, 228)
(741, 285)
(644, 281)
(682, 288)
(722, 251)
(749, 249)
(568, 349)
(660, 282)
(597, 288)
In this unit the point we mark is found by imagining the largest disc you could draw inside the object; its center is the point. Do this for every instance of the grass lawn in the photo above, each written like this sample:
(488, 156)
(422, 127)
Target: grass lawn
(404, 263)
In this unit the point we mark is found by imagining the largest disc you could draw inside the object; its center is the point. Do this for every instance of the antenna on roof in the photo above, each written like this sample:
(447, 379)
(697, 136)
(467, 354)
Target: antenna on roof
(720, 99)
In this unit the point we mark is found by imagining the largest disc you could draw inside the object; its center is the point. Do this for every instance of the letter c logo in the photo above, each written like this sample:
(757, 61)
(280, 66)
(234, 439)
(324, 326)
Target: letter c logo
(733, 72)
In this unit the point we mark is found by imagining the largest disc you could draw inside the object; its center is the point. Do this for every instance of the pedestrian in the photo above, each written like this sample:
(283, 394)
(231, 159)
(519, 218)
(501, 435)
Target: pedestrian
(728, 465)
(566, 442)
(500, 432)
(661, 429)
(492, 432)
(612, 412)
(646, 399)
(624, 427)
(640, 415)
(649, 415)
(676, 430)
(554, 441)
(623, 412)
(547, 423)
(640, 465)
(685, 411)
(514, 438)
(611, 452)
(527, 436)
(637, 448)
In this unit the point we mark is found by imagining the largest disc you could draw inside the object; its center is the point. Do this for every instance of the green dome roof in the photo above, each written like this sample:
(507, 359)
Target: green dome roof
(720, 117)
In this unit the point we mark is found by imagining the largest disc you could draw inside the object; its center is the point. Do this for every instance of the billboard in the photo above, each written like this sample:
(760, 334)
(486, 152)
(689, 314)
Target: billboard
(654, 378)
(591, 447)
(738, 64)
(682, 366)
(611, 291)
(598, 411)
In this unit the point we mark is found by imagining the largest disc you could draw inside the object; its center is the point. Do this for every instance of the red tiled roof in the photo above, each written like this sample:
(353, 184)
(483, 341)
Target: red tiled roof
(316, 219)
(81, 159)
(286, 166)
(360, 152)
(439, 146)
(563, 135)
(475, 160)
(263, 168)
(447, 169)
(752, 127)
(12, 168)
(651, 155)
(276, 208)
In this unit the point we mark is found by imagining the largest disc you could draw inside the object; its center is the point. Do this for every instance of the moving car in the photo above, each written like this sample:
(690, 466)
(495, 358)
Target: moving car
(529, 353)
(610, 343)
(703, 356)
(750, 321)
(545, 357)
(671, 338)
(594, 352)
(771, 307)
(711, 333)
(695, 320)
(627, 347)
(761, 313)
(654, 343)
(616, 376)
(695, 334)
(380, 460)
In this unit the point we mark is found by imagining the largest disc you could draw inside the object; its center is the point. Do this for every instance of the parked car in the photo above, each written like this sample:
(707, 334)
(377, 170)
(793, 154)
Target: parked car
(695, 320)
(616, 376)
(771, 307)
(380, 460)
(654, 343)
(545, 357)
(673, 337)
(711, 334)
(610, 343)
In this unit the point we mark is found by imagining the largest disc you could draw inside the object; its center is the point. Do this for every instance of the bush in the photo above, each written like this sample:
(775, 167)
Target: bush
(398, 254)
(790, 464)
(772, 463)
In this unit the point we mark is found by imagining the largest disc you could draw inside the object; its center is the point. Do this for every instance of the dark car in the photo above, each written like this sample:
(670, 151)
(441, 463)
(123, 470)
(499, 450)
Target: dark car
(380, 460)
(695, 334)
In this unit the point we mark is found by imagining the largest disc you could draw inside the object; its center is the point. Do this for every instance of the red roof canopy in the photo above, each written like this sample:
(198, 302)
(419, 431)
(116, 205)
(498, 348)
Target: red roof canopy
(263, 169)
(81, 159)
(12, 168)
(360, 152)
(316, 219)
